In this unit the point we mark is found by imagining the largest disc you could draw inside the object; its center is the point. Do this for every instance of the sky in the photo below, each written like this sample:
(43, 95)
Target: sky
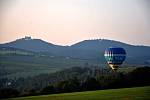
(65, 22)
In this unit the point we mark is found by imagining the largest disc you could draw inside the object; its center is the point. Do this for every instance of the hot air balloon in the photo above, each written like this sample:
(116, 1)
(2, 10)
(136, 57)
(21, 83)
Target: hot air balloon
(115, 57)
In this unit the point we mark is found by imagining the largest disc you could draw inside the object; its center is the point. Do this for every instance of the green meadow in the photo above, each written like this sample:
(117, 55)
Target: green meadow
(136, 93)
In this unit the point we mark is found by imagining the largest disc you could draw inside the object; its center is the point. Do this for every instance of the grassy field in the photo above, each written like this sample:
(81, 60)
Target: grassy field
(23, 66)
(136, 93)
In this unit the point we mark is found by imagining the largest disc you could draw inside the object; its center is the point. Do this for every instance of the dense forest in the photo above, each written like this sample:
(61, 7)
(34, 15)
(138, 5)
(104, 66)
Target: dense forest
(73, 79)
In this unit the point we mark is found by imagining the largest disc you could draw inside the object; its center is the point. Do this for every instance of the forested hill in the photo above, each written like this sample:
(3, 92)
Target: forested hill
(87, 49)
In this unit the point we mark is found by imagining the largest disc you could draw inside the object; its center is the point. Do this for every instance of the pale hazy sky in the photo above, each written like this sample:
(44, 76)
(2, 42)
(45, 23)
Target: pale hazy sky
(68, 21)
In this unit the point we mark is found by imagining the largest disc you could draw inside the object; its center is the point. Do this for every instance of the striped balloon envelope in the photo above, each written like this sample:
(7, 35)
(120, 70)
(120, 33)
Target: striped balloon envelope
(115, 56)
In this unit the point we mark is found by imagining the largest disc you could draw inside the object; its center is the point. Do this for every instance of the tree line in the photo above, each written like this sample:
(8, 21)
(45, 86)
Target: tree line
(73, 80)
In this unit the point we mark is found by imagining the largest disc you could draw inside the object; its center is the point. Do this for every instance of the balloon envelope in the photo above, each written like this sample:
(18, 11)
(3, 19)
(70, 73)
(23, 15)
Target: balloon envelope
(115, 56)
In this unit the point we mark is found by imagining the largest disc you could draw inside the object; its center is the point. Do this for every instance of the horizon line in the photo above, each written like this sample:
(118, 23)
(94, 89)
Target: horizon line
(25, 37)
